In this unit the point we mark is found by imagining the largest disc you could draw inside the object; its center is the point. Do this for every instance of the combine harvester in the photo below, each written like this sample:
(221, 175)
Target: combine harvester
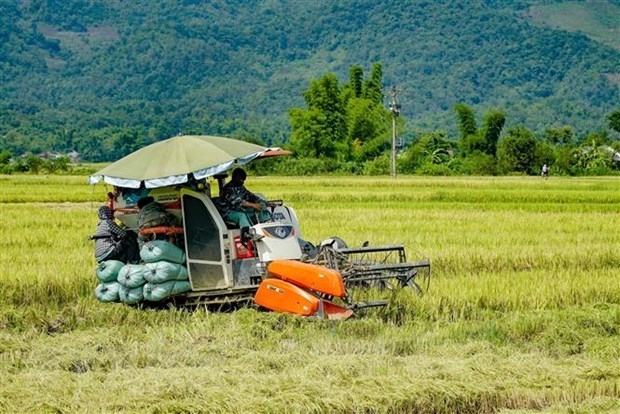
(270, 265)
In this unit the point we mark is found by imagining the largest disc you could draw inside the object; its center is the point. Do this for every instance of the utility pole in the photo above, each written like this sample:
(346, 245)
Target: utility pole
(395, 109)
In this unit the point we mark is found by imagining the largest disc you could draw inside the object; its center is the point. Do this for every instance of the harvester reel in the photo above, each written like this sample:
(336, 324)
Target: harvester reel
(384, 267)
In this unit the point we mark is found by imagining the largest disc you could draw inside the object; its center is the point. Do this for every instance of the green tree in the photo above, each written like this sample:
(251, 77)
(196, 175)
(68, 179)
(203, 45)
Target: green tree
(594, 155)
(5, 157)
(33, 163)
(367, 129)
(473, 141)
(470, 141)
(544, 154)
(431, 148)
(467, 121)
(596, 139)
(368, 121)
(123, 142)
(320, 131)
(564, 159)
(60, 164)
(373, 86)
(347, 123)
(476, 164)
(560, 136)
(308, 139)
(516, 152)
(356, 79)
(614, 120)
(493, 124)
(483, 141)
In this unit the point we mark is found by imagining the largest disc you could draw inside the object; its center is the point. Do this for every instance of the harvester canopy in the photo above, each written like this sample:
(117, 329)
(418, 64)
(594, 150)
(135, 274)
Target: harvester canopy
(170, 162)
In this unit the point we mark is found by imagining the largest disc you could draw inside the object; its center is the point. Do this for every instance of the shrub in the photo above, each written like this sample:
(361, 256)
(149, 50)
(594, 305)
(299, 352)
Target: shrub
(378, 166)
(476, 164)
(434, 170)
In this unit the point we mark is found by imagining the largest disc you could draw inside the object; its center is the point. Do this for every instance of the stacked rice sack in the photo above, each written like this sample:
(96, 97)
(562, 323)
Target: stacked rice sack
(132, 279)
(161, 276)
(107, 272)
(166, 276)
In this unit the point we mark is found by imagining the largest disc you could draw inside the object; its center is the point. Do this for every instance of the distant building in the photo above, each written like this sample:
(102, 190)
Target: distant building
(74, 156)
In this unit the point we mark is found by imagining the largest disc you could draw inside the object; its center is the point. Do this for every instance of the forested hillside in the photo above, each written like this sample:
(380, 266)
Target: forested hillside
(106, 77)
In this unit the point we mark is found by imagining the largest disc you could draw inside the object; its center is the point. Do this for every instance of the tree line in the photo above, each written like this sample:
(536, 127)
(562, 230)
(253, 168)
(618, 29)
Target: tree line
(106, 78)
(347, 129)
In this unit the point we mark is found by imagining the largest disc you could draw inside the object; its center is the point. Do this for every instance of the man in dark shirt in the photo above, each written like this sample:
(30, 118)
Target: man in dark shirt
(239, 204)
(113, 242)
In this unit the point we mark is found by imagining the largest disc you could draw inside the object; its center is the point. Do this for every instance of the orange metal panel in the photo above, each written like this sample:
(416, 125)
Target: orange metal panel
(280, 296)
(333, 311)
(309, 276)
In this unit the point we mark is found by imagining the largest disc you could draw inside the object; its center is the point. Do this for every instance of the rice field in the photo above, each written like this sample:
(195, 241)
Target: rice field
(522, 314)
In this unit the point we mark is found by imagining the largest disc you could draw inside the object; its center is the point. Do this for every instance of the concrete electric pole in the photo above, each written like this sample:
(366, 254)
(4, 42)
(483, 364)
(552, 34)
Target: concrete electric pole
(395, 109)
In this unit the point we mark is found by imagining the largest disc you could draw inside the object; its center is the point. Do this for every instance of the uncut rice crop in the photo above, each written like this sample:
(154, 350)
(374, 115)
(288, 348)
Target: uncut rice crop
(522, 313)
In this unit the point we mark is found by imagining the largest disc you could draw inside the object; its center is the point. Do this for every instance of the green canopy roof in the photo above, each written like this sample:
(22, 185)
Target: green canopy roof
(171, 161)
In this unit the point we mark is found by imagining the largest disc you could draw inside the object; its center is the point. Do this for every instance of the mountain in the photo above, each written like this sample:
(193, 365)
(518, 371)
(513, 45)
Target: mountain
(104, 77)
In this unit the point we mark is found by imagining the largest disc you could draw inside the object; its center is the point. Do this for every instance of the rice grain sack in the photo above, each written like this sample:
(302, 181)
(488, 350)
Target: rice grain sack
(155, 292)
(158, 250)
(162, 271)
(132, 275)
(107, 292)
(131, 296)
(107, 271)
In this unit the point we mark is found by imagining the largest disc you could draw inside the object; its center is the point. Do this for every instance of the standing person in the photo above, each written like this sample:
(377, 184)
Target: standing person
(113, 242)
(239, 203)
(545, 171)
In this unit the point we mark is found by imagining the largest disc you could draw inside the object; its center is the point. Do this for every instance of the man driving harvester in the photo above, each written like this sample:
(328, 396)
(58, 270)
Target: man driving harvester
(240, 205)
